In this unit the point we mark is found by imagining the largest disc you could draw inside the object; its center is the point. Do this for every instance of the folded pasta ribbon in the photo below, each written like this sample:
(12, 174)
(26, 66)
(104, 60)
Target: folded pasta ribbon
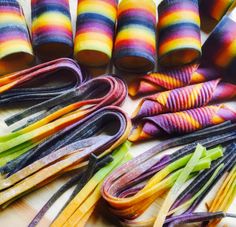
(185, 98)
(134, 186)
(20, 87)
(60, 112)
(181, 122)
(99, 133)
(78, 210)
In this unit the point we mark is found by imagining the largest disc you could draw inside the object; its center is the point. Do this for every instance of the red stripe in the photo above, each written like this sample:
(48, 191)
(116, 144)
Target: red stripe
(135, 43)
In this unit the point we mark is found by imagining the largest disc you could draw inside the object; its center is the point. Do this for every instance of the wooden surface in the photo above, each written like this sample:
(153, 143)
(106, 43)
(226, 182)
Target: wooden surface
(22, 211)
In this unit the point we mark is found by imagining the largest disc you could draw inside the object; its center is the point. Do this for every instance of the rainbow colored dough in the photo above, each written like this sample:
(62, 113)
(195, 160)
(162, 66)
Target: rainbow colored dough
(135, 43)
(51, 29)
(15, 46)
(215, 63)
(181, 122)
(215, 8)
(95, 31)
(185, 98)
(179, 40)
(168, 79)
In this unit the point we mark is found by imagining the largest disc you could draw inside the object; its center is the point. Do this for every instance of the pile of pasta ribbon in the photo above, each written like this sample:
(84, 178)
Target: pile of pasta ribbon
(67, 130)
(135, 186)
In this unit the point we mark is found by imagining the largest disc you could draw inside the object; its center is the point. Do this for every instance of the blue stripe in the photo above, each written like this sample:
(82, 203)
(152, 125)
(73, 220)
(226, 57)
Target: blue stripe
(164, 32)
(13, 28)
(136, 21)
(86, 18)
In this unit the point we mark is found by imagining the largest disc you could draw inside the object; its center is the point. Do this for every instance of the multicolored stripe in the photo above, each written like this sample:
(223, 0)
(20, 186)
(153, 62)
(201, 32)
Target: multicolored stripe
(135, 44)
(222, 58)
(182, 122)
(96, 21)
(215, 8)
(51, 29)
(178, 32)
(15, 46)
(185, 98)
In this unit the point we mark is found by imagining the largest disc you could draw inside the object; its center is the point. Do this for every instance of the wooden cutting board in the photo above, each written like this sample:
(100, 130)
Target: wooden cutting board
(21, 212)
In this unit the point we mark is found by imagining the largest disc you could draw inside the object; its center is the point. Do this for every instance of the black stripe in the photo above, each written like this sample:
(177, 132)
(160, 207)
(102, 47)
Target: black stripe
(85, 18)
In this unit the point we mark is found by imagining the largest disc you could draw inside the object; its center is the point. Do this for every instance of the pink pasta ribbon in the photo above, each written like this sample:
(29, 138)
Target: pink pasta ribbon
(185, 98)
(181, 122)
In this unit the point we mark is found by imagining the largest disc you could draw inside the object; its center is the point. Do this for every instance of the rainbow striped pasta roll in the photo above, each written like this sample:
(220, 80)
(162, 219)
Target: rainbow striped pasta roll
(51, 29)
(135, 43)
(168, 79)
(222, 58)
(95, 32)
(179, 39)
(15, 45)
(215, 9)
(173, 124)
(185, 98)
(215, 63)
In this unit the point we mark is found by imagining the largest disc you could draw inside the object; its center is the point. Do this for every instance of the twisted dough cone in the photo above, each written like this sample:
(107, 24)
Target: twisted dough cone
(185, 98)
(181, 122)
(168, 79)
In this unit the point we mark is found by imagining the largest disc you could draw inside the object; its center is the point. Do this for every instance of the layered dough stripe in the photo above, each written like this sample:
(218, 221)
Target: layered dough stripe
(135, 43)
(183, 122)
(95, 30)
(51, 29)
(185, 98)
(179, 40)
(15, 46)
